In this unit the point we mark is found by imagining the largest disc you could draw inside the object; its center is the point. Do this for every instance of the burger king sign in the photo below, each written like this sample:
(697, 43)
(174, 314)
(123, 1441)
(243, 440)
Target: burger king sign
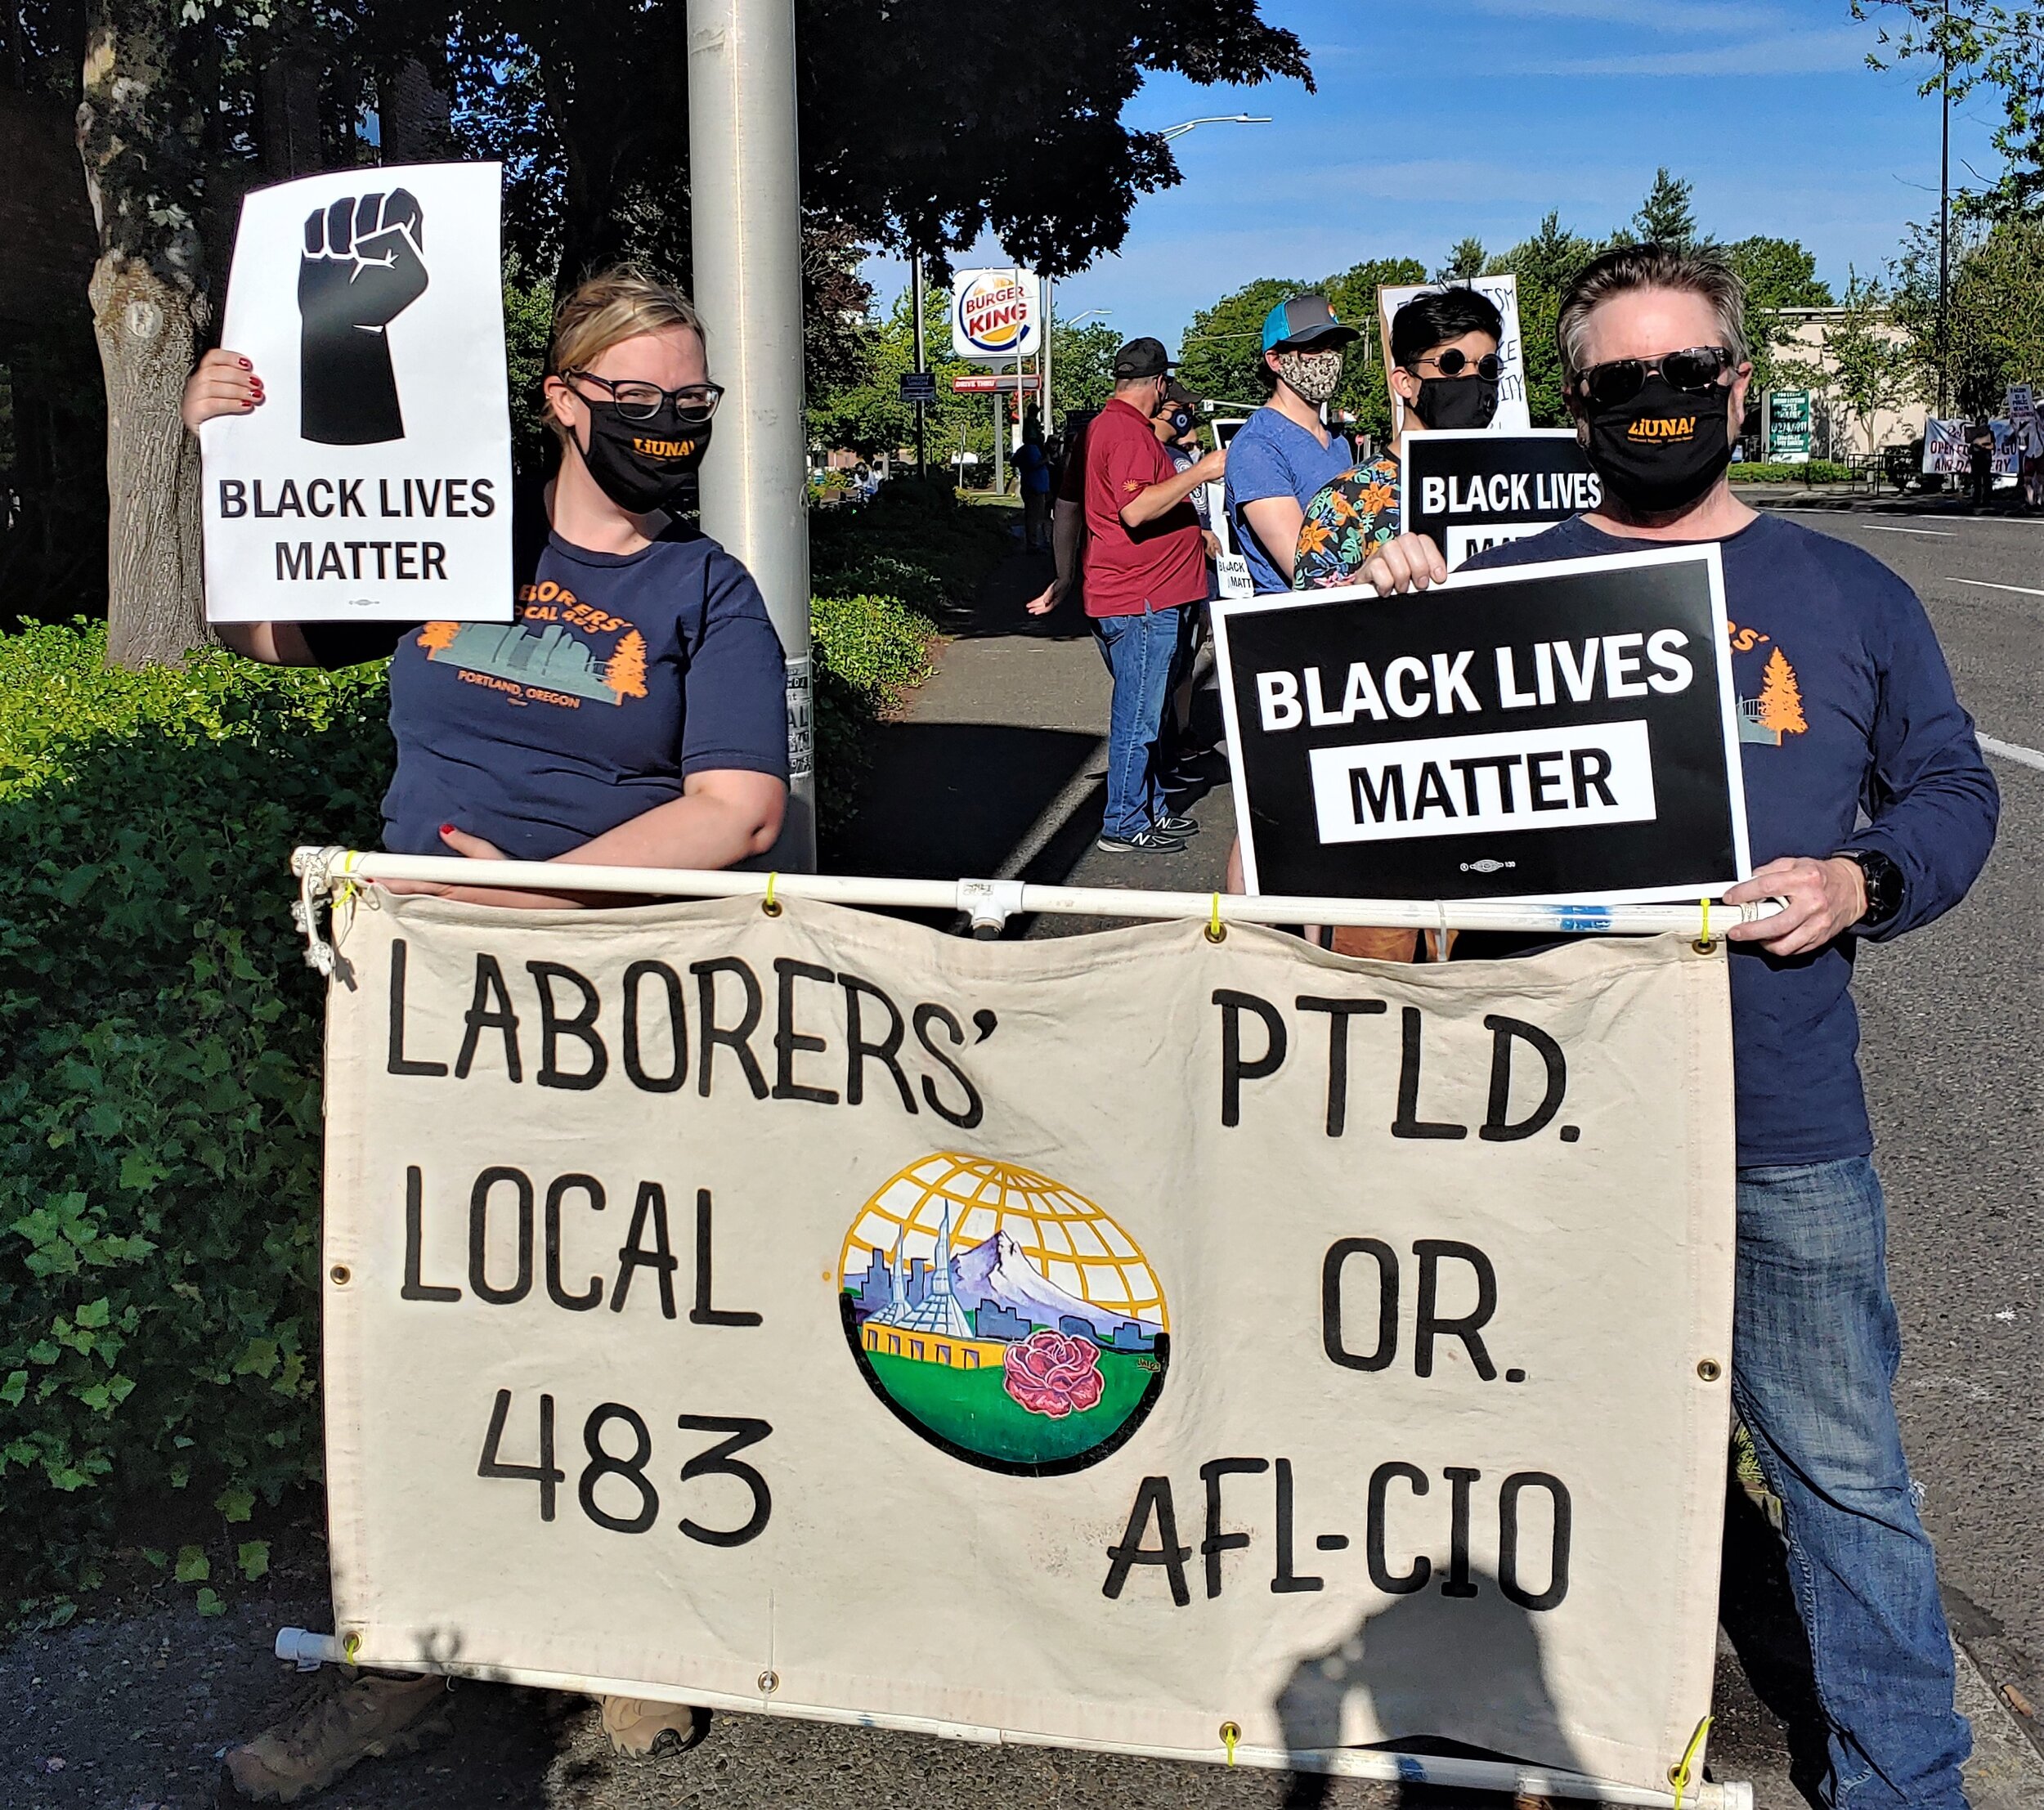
(995, 316)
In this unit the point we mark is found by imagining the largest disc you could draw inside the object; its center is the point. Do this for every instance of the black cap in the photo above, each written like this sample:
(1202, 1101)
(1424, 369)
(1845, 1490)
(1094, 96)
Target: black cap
(1305, 321)
(1175, 391)
(1142, 358)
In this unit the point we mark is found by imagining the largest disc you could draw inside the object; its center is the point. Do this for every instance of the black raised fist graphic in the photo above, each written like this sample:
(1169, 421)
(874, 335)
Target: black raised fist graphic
(361, 269)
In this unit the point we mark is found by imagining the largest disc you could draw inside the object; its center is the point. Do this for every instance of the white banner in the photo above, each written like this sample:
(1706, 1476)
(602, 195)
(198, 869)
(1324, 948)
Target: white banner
(374, 484)
(1101, 1340)
(1513, 415)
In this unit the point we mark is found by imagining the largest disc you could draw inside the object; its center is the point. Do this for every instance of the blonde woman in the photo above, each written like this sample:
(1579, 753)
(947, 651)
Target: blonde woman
(633, 714)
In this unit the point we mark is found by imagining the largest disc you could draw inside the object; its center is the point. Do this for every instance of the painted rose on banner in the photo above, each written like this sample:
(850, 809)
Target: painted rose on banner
(1007, 1320)
(1053, 1373)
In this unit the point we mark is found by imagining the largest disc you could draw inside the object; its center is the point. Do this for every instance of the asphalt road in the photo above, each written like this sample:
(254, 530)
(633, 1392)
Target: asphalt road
(132, 1708)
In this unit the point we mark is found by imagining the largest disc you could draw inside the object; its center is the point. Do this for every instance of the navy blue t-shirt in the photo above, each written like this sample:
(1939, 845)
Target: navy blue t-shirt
(1850, 737)
(622, 674)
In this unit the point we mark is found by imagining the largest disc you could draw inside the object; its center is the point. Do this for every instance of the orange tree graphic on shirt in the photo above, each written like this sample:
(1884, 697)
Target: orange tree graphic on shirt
(436, 635)
(625, 671)
(1781, 697)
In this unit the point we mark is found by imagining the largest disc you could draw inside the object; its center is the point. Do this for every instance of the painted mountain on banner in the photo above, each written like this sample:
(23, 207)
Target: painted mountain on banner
(997, 1272)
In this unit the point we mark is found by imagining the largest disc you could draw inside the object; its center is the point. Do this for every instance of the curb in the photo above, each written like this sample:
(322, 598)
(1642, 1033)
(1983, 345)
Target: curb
(2005, 1773)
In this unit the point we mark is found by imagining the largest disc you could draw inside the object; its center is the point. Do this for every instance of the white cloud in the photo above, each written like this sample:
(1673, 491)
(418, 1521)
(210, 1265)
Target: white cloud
(1781, 53)
(1673, 16)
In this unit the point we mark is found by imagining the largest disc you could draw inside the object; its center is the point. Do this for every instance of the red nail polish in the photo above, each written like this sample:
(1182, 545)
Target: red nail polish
(246, 366)
(447, 829)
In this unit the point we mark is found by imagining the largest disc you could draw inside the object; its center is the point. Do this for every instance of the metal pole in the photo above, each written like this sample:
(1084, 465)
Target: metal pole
(746, 228)
(1944, 215)
(1043, 415)
(1000, 452)
(922, 365)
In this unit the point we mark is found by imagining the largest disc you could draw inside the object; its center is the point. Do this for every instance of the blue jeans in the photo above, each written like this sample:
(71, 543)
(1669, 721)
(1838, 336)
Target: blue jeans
(1140, 652)
(1814, 1349)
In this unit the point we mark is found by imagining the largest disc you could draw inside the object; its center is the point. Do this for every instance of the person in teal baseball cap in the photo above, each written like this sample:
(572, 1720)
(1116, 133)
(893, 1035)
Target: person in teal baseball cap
(1284, 454)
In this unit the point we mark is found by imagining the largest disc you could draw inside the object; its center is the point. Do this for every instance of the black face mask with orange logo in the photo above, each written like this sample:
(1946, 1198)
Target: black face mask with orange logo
(642, 465)
(1662, 450)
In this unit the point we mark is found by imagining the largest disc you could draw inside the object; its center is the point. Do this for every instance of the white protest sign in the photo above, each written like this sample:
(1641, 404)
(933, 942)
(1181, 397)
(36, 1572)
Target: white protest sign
(374, 484)
(1503, 293)
(777, 1313)
(996, 315)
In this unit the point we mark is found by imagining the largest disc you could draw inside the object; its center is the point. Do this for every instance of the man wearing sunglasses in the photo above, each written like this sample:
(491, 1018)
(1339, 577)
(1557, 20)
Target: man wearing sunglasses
(1444, 349)
(1871, 812)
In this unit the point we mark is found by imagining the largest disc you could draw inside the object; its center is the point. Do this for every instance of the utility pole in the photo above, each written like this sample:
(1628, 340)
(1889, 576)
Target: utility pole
(746, 228)
(1944, 215)
(922, 365)
(1044, 418)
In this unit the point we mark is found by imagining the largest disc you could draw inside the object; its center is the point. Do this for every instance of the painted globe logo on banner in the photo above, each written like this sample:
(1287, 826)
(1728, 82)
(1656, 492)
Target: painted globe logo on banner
(1008, 1320)
(993, 315)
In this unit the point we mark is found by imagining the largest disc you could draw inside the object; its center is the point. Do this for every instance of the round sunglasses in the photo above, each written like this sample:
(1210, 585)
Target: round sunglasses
(694, 403)
(1696, 370)
(1455, 361)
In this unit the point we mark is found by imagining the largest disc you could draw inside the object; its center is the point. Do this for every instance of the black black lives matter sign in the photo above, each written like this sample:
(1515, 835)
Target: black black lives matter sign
(1470, 489)
(1560, 732)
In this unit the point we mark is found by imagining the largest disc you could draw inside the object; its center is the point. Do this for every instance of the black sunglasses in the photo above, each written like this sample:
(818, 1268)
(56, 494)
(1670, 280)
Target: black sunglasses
(1696, 370)
(694, 403)
(1455, 361)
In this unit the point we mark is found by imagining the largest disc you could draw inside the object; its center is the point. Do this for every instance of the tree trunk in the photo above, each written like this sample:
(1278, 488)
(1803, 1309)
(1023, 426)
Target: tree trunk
(148, 330)
(137, 142)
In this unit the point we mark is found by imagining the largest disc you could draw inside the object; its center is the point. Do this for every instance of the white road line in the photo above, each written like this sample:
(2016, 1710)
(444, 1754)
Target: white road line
(2010, 751)
(1875, 527)
(1989, 585)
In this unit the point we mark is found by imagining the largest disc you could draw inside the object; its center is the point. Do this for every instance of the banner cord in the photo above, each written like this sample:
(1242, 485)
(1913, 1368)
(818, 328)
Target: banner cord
(1680, 1775)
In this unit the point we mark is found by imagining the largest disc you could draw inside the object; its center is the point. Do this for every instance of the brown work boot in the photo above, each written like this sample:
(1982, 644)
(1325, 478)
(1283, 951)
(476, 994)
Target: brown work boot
(639, 1730)
(365, 1715)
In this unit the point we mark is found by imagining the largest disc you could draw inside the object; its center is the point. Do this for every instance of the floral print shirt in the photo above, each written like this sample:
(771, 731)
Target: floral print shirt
(1345, 523)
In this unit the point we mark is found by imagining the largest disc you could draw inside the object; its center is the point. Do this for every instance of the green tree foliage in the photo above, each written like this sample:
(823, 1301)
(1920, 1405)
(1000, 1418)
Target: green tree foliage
(1778, 274)
(1544, 263)
(1362, 392)
(1222, 352)
(1996, 314)
(1982, 44)
(1468, 259)
(1665, 217)
(1871, 368)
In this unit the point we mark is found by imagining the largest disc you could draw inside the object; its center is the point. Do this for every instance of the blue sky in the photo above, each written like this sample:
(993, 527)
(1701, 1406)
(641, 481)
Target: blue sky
(1476, 116)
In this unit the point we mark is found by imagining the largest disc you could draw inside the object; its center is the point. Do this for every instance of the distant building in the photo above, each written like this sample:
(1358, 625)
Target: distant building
(1132, 1335)
(994, 1321)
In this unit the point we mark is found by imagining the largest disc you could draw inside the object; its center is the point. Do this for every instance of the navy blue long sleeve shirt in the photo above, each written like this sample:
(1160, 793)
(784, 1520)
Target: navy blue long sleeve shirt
(1850, 737)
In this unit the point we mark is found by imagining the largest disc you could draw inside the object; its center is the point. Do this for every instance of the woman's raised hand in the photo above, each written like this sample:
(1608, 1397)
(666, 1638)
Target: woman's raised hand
(224, 384)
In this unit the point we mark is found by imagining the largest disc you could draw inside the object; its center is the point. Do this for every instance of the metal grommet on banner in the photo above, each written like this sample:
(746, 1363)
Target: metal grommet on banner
(340, 1275)
(1231, 1733)
(1710, 1369)
(1680, 1774)
(771, 905)
(1703, 945)
(1217, 931)
(770, 1682)
(351, 1645)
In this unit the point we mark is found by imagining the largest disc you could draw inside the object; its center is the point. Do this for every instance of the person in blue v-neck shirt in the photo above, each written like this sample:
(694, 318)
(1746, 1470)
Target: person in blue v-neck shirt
(1870, 812)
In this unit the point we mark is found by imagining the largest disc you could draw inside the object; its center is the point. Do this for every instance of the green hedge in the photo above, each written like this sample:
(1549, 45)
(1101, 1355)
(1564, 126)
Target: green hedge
(1818, 471)
(160, 1041)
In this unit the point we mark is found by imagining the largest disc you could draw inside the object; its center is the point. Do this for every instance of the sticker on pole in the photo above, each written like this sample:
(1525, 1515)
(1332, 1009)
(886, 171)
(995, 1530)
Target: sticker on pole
(1558, 733)
(374, 484)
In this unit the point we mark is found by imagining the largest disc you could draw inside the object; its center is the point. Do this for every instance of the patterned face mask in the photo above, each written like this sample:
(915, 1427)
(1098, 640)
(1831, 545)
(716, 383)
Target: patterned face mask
(1315, 375)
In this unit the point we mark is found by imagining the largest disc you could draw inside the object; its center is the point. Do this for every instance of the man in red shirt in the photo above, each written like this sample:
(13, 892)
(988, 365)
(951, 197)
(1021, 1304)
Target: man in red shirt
(1145, 561)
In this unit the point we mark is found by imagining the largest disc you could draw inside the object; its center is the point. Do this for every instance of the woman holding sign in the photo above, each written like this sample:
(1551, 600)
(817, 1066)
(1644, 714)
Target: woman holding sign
(632, 714)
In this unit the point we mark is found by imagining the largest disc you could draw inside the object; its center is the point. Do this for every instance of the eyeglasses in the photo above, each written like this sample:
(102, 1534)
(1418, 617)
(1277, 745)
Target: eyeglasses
(694, 403)
(1609, 386)
(1455, 361)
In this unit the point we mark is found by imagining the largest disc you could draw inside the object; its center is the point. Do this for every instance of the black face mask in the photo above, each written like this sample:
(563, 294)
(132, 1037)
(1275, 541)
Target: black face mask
(1457, 401)
(1664, 449)
(643, 465)
(1180, 420)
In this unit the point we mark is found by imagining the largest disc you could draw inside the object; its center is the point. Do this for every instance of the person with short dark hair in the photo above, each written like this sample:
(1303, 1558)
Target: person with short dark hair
(1284, 453)
(1980, 459)
(1444, 350)
(1870, 812)
(1033, 469)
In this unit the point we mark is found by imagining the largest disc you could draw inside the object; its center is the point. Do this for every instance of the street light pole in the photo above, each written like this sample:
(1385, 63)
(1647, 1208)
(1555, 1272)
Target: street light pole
(922, 365)
(1944, 213)
(745, 223)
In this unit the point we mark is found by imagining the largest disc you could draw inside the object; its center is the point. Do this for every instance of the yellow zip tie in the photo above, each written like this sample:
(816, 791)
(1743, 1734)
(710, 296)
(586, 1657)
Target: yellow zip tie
(1217, 932)
(1679, 1776)
(1231, 1733)
(351, 1645)
(349, 888)
(769, 905)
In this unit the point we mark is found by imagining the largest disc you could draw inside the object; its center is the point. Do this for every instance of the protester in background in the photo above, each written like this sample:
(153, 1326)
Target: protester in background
(1445, 369)
(1178, 428)
(1032, 468)
(1980, 459)
(1284, 453)
(1653, 354)
(690, 771)
(1068, 517)
(1145, 561)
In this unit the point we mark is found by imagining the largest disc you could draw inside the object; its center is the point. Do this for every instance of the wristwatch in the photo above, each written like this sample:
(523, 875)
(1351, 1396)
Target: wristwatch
(1884, 885)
